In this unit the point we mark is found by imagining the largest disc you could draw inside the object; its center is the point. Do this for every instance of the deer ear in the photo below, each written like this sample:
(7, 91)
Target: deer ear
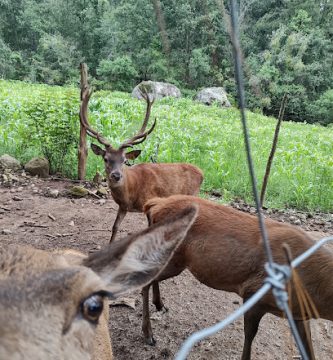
(97, 150)
(137, 260)
(132, 154)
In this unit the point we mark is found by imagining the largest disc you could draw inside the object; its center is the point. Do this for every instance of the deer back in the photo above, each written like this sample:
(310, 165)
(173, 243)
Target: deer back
(146, 181)
(224, 250)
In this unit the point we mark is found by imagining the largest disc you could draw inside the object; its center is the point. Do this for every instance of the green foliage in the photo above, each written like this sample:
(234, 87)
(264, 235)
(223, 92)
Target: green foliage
(118, 73)
(55, 61)
(287, 46)
(322, 109)
(41, 119)
(199, 67)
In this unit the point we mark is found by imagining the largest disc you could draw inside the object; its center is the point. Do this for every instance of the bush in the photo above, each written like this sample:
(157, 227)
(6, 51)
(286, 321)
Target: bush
(322, 110)
(117, 74)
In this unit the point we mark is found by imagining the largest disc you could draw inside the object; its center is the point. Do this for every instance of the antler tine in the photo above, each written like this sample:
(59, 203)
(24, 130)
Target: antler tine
(85, 96)
(141, 136)
(138, 139)
(144, 93)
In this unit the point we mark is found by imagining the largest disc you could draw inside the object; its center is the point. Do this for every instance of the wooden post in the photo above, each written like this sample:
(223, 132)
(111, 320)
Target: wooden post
(83, 149)
(271, 155)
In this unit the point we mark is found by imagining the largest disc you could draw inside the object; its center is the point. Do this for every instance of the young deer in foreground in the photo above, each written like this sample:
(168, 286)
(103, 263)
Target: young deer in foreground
(51, 304)
(224, 250)
(132, 186)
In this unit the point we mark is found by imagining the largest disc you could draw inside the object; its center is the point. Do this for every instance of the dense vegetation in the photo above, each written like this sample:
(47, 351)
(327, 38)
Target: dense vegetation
(287, 46)
(43, 120)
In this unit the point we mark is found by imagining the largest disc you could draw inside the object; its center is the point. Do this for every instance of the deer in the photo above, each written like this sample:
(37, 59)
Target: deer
(53, 304)
(132, 186)
(224, 250)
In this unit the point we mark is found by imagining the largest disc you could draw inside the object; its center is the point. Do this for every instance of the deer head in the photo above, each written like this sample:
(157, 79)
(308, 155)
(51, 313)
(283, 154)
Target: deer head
(115, 159)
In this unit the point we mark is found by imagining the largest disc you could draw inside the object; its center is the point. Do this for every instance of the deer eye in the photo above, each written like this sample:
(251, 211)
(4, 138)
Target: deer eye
(92, 307)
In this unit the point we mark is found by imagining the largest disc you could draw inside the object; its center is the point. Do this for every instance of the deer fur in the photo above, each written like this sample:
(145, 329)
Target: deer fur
(43, 294)
(141, 182)
(224, 250)
(135, 185)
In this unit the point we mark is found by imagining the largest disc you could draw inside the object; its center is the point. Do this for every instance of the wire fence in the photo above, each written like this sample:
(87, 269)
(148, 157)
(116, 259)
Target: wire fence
(277, 275)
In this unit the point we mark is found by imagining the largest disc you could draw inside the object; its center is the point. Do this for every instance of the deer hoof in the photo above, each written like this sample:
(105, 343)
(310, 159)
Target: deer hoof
(150, 341)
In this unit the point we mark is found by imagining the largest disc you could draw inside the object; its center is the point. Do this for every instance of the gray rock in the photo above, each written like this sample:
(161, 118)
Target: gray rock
(5, 232)
(156, 90)
(211, 95)
(38, 166)
(54, 193)
(8, 162)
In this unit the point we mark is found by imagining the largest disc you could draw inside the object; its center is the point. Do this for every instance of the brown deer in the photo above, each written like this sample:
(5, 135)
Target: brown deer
(132, 186)
(224, 250)
(51, 304)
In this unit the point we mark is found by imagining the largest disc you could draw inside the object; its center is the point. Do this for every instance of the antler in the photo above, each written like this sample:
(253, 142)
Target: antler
(85, 96)
(142, 134)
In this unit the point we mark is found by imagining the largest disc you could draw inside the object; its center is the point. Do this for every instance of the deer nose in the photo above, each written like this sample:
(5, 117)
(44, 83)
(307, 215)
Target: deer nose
(115, 176)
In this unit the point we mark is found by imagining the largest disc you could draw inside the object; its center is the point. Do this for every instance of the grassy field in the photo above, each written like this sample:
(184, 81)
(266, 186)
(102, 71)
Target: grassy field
(39, 119)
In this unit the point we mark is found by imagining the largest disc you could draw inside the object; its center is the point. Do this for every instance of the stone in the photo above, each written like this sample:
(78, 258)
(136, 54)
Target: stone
(211, 95)
(156, 90)
(78, 191)
(38, 166)
(9, 162)
(98, 178)
(102, 191)
(5, 232)
(54, 193)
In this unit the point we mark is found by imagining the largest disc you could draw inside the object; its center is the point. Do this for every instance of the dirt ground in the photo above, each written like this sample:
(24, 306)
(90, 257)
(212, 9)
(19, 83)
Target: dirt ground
(31, 213)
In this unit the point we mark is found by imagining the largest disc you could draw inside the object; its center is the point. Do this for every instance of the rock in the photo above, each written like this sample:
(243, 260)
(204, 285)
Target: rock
(101, 201)
(38, 166)
(54, 193)
(5, 232)
(71, 223)
(9, 162)
(217, 95)
(102, 191)
(78, 191)
(97, 178)
(156, 90)
(13, 178)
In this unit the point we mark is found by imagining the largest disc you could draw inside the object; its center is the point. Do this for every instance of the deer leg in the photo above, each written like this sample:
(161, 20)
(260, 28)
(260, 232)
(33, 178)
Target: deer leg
(303, 328)
(120, 217)
(146, 325)
(157, 301)
(251, 324)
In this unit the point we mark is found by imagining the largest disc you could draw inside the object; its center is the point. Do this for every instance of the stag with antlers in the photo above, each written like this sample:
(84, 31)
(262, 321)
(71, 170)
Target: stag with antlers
(131, 187)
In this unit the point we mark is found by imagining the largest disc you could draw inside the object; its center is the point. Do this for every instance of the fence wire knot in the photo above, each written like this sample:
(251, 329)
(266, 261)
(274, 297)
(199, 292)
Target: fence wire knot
(277, 277)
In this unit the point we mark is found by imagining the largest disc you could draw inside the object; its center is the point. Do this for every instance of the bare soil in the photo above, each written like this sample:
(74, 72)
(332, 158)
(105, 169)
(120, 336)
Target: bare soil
(30, 215)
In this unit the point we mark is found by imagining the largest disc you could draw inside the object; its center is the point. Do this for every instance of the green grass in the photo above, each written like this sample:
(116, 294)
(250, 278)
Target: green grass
(35, 119)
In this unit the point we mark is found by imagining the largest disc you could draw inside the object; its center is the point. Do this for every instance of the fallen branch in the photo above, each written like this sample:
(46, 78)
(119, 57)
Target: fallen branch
(97, 230)
(33, 225)
(51, 217)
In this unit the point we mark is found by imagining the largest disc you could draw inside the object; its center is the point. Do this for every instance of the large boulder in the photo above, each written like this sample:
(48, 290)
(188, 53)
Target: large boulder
(8, 162)
(38, 166)
(156, 90)
(211, 95)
